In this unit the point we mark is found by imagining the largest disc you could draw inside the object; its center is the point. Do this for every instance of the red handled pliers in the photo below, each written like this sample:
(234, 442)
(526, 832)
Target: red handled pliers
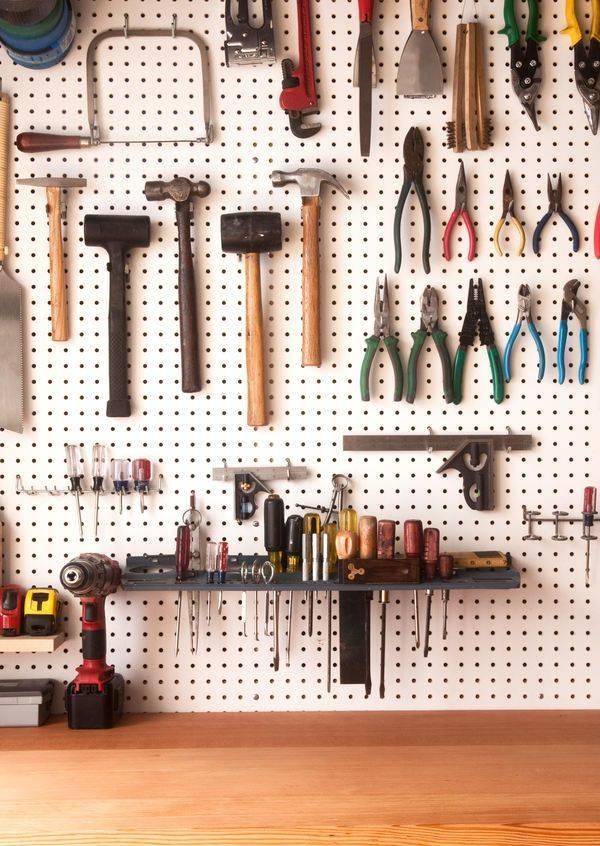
(460, 210)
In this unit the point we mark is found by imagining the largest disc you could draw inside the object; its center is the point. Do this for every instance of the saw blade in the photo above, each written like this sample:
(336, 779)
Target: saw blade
(11, 354)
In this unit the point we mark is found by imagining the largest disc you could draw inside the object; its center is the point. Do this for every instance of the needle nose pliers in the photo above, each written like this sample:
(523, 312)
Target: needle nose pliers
(381, 332)
(414, 154)
(429, 326)
(555, 206)
(524, 313)
(586, 61)
(571, 304)
(508, 216)
(460, 210)
(477, 321)
(524, 60)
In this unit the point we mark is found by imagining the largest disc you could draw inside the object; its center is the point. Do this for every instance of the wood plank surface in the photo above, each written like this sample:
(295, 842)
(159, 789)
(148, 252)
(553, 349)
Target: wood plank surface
(457, 778)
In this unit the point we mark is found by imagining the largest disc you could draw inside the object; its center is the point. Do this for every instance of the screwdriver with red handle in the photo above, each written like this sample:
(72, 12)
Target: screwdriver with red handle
(588, 514)
(182, 565)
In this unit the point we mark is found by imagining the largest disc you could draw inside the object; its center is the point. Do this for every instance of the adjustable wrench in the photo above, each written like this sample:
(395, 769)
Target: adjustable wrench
(299, 95)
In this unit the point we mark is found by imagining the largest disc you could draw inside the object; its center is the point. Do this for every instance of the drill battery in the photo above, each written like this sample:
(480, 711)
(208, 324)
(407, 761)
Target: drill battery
(41, 610)
(95, 706)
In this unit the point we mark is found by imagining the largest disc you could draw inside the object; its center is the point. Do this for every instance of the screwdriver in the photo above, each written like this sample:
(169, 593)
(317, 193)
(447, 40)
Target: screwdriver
(141, 469)
(211, 566)
(431, 554)
(74, 464)
(385, 535)
(121, 475)
(446, 571)
(293, 549)
(222, 556)
(328, 535)
(275, 545)
(312, 530)
(413, 548)
(182, 563)
(589, 512)
(99, 462)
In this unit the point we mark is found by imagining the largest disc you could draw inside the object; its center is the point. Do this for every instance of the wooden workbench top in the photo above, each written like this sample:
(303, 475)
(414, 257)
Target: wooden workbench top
(380, 779)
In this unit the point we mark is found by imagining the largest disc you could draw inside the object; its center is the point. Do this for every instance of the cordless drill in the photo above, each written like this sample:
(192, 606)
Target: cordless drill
(95, 698)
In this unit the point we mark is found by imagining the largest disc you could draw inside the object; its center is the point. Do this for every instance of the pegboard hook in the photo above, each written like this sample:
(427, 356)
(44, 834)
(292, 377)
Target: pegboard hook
(288, 467)
(174, 26)
(431, 434)
(126, 25)
(508, 432)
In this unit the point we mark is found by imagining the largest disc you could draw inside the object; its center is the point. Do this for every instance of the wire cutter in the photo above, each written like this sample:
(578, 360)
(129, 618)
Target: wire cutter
(414, 152)
(381, 333)
(524, 313)
(524, 60)
(555, 205)
(477, 321)
(571, 304)
(507, 217)
(586, 61)
(460, 210)
(429, 326)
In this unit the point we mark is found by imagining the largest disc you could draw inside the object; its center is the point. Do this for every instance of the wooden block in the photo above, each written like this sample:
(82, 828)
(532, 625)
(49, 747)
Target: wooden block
(380, 570)
(29, 643)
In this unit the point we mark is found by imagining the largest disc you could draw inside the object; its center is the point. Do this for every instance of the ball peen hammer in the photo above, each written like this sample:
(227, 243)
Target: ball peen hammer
(309, 180)
(182, 192)
(56, 208)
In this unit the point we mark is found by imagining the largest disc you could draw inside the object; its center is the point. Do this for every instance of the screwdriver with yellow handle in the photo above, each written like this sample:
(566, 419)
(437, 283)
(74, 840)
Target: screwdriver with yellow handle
(312, 533)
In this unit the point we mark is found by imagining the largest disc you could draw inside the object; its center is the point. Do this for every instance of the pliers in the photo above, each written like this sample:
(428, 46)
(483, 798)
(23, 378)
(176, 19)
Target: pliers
(414, 153)
(429, 326)
(555, 205)
(508, 216)
(477, 321)
(524, 60)
(460, 210)
(381, 332)
(586, 61)
(524, 313)
(571, 304)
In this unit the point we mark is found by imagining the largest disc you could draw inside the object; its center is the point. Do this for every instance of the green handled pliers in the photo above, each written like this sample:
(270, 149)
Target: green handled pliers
(524, 60)
(429, 326)
(477, 321)
(381, 332)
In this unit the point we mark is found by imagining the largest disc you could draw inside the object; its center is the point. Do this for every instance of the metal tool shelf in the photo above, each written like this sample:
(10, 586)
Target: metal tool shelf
(158, 573)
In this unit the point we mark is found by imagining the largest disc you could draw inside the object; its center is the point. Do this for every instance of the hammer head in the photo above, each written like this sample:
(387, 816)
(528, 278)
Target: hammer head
(251, 232)
(308, 179)
(53, 182)
(114, 230)
(180, 190)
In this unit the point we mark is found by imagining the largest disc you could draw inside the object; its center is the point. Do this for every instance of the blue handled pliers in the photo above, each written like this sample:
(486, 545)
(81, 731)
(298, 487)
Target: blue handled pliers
(555, 207)
(524, 313)
(571, 304)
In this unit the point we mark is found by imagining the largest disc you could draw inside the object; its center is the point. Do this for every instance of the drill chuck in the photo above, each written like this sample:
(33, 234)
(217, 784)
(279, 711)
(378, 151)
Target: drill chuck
(91, 574)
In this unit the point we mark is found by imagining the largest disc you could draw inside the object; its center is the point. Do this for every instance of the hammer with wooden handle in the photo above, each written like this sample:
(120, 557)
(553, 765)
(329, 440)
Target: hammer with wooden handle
(56, 208)
(309, 180)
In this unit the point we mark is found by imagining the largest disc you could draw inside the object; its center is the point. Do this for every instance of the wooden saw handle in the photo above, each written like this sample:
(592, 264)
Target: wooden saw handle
(4, 131)
(255, 353)
(419, 12)
(46, 142)
(58, 291)
(311, 342)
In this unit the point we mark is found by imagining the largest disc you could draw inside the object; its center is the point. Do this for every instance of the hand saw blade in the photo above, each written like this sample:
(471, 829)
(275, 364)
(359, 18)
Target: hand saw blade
(11, 354)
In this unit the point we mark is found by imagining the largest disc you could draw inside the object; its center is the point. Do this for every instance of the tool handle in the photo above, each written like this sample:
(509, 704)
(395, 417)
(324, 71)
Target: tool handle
(457, 374)
(4, 132)
(589, 502)
(365, 369)
(572, 29)
(398, 224)
(496, 368)
(46, 142)
(532, 33)
(118, 404)
(411, 374)
(595, 23)
(255, 354)
(572, 229)
(58, 291)
(420, 191)
(583, 358)
(597, 234)
(508, 350)
(93, 628)
(511, 27)
(439, 339)
(560, 350)
(540, 348)
(447, 252)
(188, 308)
(537, 235)
(497, 231)
(419, 13)
(182, 552)
(391, 344)
(311, 344)
(471, 233)
(365, 10)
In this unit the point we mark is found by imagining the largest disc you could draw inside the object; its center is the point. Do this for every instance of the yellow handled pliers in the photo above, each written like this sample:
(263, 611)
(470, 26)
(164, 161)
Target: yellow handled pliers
(586, 61)
(508, 217)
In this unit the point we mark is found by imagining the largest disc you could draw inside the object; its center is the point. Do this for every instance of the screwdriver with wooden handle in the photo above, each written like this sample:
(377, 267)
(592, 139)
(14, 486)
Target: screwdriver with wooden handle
(293, 549)
(328, 552)
(431, 554)
(312, 532)
(385, 549)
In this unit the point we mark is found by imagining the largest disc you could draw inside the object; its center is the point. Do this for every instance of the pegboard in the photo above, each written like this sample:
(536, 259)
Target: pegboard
(528, 648)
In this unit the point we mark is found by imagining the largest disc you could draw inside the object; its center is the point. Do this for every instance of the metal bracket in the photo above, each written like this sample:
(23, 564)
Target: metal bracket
(251, 480)
(246, 44)
(20, 488)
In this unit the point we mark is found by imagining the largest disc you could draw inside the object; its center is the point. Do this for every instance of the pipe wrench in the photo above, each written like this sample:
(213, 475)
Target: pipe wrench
(299, 94)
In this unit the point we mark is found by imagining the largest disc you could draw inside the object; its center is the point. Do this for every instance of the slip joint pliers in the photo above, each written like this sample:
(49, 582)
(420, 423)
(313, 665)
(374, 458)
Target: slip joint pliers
(524, 314)
(571, 304)
(429, 326)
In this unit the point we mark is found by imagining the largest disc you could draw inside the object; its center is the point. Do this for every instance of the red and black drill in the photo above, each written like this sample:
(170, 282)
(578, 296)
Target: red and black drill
(95, 698)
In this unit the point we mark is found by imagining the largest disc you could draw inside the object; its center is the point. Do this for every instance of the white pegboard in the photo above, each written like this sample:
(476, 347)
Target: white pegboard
(518, 649)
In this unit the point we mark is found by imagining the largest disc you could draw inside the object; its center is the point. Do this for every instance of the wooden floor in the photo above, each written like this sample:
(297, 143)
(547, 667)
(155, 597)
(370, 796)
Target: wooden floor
(416, 779)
